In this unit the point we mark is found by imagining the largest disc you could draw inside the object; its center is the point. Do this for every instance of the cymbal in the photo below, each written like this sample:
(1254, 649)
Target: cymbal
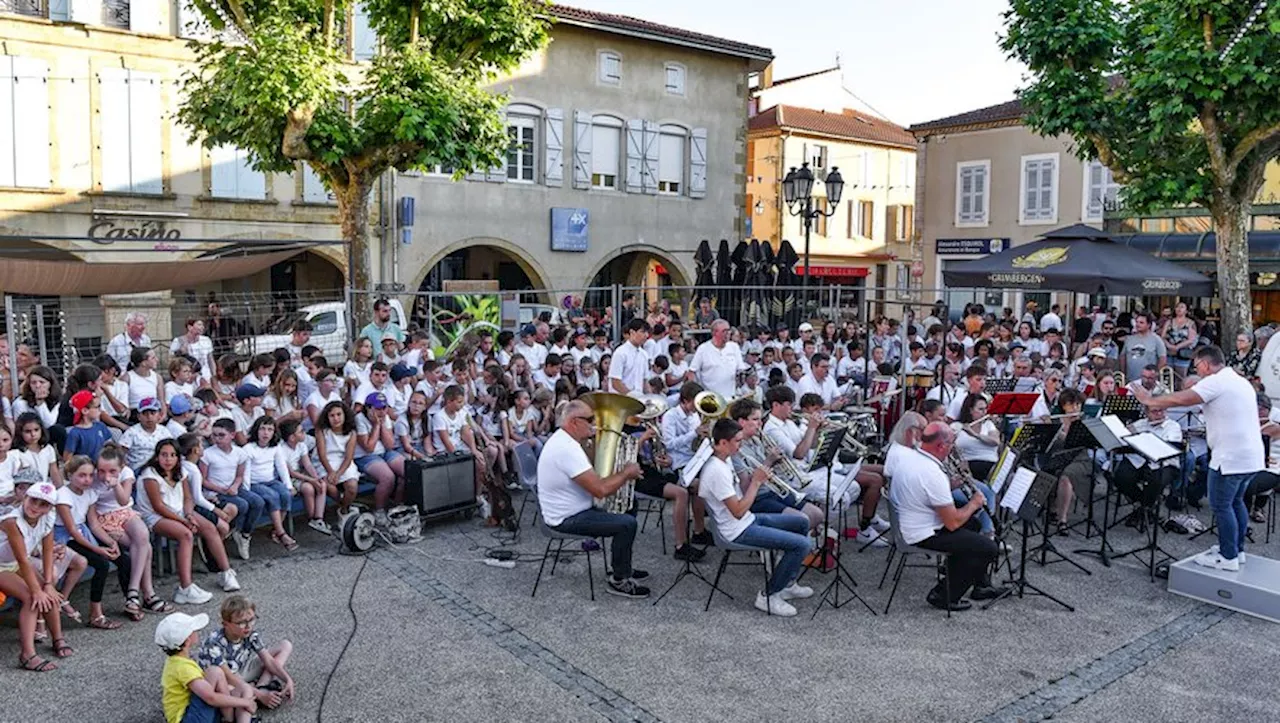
(859, 410)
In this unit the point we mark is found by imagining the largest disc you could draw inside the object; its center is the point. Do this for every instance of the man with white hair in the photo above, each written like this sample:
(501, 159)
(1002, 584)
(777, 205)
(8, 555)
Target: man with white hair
(717, 361)
(133, 336)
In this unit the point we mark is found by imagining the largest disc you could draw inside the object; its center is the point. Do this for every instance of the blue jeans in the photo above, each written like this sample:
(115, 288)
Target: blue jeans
(594, 522)
(1226, 498)
(780, 532)
(249, 503)
(770, 502)
(275, 495)
(983, 515)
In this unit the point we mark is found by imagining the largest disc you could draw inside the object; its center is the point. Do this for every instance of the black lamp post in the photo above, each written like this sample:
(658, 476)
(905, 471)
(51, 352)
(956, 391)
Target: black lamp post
(797, 189)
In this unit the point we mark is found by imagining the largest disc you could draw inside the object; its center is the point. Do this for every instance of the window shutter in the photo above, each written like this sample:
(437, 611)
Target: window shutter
(698, 163)
(849, 220)
(364, 43)
(649, 172)
(635, 156)
(144, 133)
(581, 150)
(223, 175)
(249, 183)
(88, 12)
(891, 223)
(979, 194)
(313, 190)
(31, 97)
(113, 129)
(7, 130)
(144, 16)
(59, 9)
(553, 161)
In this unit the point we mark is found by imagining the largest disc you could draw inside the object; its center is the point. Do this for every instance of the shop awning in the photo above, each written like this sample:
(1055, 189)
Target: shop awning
(83, 278)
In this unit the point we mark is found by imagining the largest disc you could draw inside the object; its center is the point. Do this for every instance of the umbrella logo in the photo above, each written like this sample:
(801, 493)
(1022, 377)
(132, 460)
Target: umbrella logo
(1161, 285)
(1041, 259)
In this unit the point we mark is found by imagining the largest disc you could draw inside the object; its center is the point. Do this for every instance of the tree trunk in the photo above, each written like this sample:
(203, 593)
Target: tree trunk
(353, 210)
(1231, 224)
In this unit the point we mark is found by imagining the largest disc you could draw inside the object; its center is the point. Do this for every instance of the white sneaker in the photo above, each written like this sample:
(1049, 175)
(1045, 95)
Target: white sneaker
(1239, 557)
(320, 526)
(192, 595)
(227, 579)
(242, 545)
(875, 538)
(879, 524)
(796, 591)
(1216, 561)
(484, 507)
(774, 604)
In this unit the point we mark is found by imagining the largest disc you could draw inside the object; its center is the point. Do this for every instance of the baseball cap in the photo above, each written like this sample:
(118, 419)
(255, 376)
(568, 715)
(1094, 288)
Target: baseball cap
(377, 400)
(246, 391)
(528, 330)
(1097, 352)
(149, 404)
(180, 404)
(806, 327)
(44, 491)
(174, 630)
(391, 339)
(27, 476)
(80, 401)
(403, 371)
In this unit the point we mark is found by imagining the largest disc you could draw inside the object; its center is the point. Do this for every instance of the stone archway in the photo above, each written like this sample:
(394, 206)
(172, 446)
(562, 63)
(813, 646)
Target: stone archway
(638, 265)
(480, 258)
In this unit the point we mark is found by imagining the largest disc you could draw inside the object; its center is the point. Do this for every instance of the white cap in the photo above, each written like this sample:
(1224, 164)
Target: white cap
(1097, 352)
(806, 326)
(44, 491)
(173, 631)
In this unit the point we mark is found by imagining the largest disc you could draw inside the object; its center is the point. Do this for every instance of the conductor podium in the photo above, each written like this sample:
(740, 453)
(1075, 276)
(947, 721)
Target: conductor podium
(1254, 590)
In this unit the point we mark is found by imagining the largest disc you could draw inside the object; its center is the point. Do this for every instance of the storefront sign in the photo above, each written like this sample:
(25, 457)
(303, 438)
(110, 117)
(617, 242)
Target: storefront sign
(569, 229)
(845, 271)
(108, 232)
(971, 246)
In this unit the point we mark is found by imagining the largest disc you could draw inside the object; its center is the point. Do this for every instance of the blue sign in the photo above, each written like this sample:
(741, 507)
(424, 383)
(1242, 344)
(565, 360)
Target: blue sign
(971, 246)
(569, 229)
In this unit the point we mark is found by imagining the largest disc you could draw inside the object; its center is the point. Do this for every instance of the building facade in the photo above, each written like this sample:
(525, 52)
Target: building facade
(628, 149)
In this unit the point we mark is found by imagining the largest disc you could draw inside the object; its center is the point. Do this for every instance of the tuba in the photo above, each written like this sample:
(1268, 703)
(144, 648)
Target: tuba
(710, 406)
(653, 411)
(615, 449)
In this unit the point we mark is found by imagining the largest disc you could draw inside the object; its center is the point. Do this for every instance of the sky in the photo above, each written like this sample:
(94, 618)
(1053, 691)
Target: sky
(913, 60)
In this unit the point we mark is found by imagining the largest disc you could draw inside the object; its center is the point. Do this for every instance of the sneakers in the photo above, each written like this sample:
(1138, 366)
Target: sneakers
(1216, 561)
(704, 539)
(1239, 557)
(774, 604)
(320, 526)
(192, 595)
(879, 524)
(689, 552)
(627, 588)
(227, 579)
(242, 544)
(796, 591)
(871, 536)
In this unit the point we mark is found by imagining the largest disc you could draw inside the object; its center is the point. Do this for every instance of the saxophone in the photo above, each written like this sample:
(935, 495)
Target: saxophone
(614, 448)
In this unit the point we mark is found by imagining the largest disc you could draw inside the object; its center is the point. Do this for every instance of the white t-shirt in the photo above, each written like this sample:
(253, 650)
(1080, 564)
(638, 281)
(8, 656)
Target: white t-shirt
(388, 390)
(561, 460)
(107, 501)
(541, 379)
(786, 433)
(289, 459)
(630, 365)
(48, 415)
(278, 407)
(826, 388)
(357, 371)
(919, 487)
(414, 430)
(335, 447)
(364, 426)
(973, 449)
(141, 387)
(451, 427)
(195, 480)
(1231, 422)
(717, 483)
(244, 420)
(201, 350)
(520, 423)
(41, 460)
(534, 354)
(262, 463)
(717, 369)
(8, 466)
(32, 535)
(174, 389)
(579, 354)
(141, 445)
(221, 466)
(79, 503)
(170, 495)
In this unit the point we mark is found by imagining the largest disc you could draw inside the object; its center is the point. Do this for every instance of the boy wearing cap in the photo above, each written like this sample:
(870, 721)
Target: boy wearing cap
(89, 433)
(379, 381)
(139, 441)
(181, 414)
(250, 408)
(390, 351)
(192, 695)
(402, 378)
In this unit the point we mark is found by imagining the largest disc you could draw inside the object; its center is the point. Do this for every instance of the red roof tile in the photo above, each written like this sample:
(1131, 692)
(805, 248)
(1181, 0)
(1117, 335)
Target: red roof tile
(849, 124)
(628, 23)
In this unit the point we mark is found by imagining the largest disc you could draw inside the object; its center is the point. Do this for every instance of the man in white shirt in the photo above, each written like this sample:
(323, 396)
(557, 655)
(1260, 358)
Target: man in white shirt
(819, 381)
(533, 352)
(974, 379)
(1051, 320)
(1140, 479)
(1231, 426)
(568, 486)
(928, 518)
(379, 381)
(195, 345)
(629, 367)
(717, 361)
(134, 335)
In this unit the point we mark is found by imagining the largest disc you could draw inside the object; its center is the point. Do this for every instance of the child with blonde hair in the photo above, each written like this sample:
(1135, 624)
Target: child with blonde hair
(238, 649)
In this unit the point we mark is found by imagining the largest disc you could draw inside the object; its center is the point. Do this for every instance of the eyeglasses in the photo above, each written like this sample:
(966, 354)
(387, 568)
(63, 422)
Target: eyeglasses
(245, 623)
(588, 420)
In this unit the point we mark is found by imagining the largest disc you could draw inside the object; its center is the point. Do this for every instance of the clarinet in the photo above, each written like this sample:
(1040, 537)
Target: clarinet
(954, 467)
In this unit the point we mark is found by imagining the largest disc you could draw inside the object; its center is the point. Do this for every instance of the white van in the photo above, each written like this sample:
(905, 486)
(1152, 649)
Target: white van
(328, 331)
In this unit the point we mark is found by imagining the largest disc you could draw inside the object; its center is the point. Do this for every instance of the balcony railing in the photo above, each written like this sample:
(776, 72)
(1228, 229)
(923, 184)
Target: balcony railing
(115, 14)
(33, 8)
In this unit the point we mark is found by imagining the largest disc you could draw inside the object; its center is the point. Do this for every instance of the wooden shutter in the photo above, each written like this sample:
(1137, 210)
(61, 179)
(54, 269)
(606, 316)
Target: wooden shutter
(553, 140)
(364, 43)
(59, 9)
(851, 226)
(144, 16)
(144, 133)
(249, 183)
(88, 12)
(698, 163)
(313, 190)
(31, 123)
(635, 156)
(113, 130)
(8, 147)
(649, 169)
(581, 149)
(891, 224)
(223, 175)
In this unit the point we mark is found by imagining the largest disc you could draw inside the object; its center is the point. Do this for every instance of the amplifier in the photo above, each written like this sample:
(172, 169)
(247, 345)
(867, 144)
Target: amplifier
(441, 485)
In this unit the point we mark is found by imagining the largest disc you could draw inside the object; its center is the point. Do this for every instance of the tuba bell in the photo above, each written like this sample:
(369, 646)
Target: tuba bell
(710, 406)
(614, 448)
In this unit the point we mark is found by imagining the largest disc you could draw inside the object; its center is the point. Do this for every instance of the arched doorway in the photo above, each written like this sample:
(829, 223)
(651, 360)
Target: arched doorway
(645, 269)
(483, 262)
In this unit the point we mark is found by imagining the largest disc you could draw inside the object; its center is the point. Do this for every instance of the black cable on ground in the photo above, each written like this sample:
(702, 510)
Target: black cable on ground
(355, 625)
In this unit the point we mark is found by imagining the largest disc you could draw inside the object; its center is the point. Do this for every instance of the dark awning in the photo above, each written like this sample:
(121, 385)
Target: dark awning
(82, 278)
(1200, 248)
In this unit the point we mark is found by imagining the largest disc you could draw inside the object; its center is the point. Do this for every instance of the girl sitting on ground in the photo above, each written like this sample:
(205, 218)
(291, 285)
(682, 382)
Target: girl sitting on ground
(113, 502)
(277, 494)
(29, 570)
(79, 528)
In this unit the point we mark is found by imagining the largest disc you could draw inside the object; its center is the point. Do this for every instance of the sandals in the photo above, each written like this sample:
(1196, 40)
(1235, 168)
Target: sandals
(284, 541)
(154, 604)
(133, 606)
(36, 664)
(61, 649)
(42, 632)
(70, 611)
(102, 622)
(1258, 516)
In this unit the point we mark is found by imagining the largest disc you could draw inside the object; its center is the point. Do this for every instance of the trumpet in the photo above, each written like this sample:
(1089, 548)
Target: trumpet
(781, 467)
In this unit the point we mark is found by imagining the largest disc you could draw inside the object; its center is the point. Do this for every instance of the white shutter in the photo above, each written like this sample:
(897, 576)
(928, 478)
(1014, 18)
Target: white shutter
(88, 12)
(649, 172)
(498, 173)
(966, 194)
(191, 23)
(249, 183)
(553, 133)
(144, 133)
(979, 193)
(313, 190)
(223, 173)
(144, 16)
(113, 130)
(581, 150)
(8, 137)
(363, 40)
(635, 156)
(31, 123)
(698, 163)
(59, 9)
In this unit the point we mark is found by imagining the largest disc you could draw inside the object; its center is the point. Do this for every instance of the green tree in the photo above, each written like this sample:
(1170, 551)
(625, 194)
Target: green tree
(1159, 93)
(276, 82)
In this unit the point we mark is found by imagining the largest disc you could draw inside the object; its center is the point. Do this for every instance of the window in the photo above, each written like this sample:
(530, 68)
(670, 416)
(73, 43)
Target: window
(907, 171)
(129, 119)
(905, 223)
(231, 176)
(325, 323)
(364, 43)
(440, 170)
(972, 199)
(1039, 197)
(866, 218)
(670, 163)
(24, 122)
(1100, 190)
(605, 151)
(817, 156)
(820, 223)
(610, 70)
(675, 78)
(313, 190)
(520, 154)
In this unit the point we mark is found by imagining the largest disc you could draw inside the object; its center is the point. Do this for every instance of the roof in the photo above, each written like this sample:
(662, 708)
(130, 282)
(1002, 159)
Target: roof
(1001, 113)
(802, 76)
(627, 25)
(849, 124)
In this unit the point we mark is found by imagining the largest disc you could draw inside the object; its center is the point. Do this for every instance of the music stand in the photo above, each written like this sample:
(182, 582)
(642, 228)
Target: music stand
(1105, 439)
(1156, 454)
(1125, 406)
(1080, 437)
(690, 569)
(826, 456)
(1028, 493)
(1008, 403)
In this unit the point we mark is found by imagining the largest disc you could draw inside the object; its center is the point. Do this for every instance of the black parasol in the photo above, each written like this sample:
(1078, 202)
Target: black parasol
(703, 262)
(1082, 259)
(753, 312)
(786, 308)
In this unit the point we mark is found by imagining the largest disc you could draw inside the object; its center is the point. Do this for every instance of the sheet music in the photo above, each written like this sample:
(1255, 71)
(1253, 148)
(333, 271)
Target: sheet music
(1151, 446)
(1026, 385)
(1018, 488)
(694, 465)
(1115, 426)
(1002, 472)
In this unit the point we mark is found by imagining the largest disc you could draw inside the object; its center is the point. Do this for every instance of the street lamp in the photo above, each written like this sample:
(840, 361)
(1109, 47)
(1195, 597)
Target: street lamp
(797, 189)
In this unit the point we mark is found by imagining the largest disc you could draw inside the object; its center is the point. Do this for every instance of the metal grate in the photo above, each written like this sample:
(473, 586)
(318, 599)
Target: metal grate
(34, 8)
(115, 13)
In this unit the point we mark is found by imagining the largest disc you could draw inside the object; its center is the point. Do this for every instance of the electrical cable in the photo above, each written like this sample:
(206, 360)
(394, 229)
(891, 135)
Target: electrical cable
(355, 625)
